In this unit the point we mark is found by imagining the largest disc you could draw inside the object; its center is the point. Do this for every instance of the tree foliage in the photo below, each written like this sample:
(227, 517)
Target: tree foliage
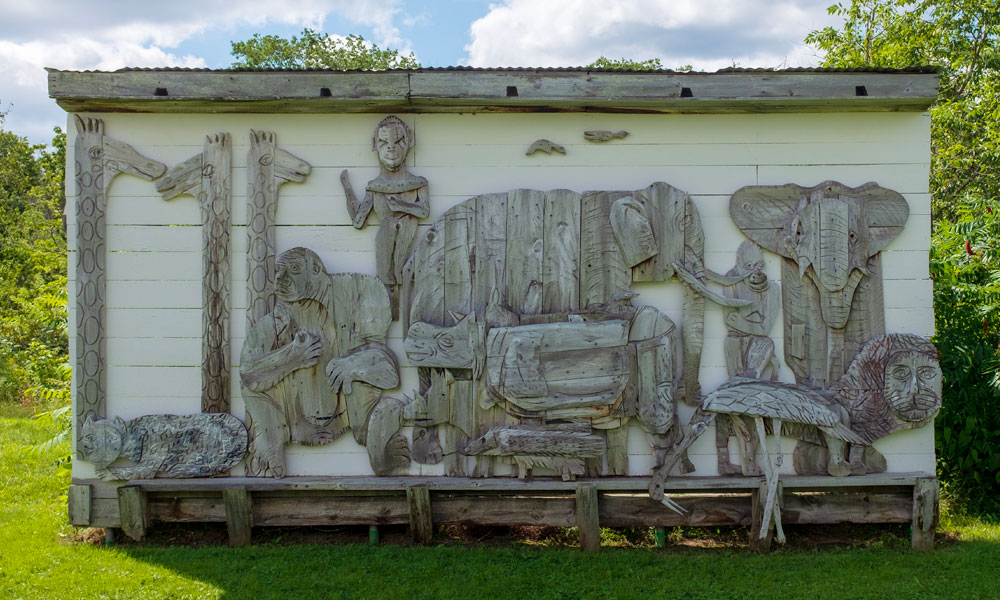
(626, 64)
(33, 342)
(962, 37)
(316, 50)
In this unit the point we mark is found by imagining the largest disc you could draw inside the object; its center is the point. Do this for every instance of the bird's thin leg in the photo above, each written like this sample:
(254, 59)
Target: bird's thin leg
(778, 531)
(769, 475)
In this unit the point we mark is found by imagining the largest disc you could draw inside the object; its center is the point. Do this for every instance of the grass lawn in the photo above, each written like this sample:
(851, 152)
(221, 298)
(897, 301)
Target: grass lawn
(43, 557)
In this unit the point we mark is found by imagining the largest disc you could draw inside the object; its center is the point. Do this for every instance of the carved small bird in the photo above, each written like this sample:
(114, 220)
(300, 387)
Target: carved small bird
(600, 135)
(545, 146)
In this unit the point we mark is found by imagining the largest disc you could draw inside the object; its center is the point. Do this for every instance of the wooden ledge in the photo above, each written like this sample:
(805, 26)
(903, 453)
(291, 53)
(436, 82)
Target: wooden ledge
(510, 485)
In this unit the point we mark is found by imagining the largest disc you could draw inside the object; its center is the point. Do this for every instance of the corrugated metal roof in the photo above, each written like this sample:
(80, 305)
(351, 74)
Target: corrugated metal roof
(921, 69)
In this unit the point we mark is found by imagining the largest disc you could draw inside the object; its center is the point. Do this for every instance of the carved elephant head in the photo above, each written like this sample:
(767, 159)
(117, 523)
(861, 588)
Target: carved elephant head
(829, 231)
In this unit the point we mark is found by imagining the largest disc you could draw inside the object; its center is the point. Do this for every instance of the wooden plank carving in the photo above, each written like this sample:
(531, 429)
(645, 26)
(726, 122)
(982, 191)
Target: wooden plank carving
(98, 160)
(164, 445)
(603, 135)
(208, 177)
(315, 366)
(268, 167)
(398, 197)
(830, 237)
(561, 447)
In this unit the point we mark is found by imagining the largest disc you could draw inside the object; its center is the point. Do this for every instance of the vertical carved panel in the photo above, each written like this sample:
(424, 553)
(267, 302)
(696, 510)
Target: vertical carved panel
(97, 160)
(561, 252)
(208, 177)
(602, 269)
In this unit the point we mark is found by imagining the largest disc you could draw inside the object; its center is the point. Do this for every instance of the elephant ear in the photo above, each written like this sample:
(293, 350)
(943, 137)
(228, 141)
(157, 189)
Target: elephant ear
(886, 212)
(761, 211)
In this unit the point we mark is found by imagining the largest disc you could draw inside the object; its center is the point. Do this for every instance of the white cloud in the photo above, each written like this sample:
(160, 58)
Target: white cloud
(708, 34)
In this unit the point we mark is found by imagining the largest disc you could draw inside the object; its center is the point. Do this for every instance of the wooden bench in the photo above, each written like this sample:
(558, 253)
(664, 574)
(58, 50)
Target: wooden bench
(423, 502)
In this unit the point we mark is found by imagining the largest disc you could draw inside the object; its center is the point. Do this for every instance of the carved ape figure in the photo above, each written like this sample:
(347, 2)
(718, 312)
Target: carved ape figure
(398, 197)
(164, 445)
(830, 237)
(316, 365)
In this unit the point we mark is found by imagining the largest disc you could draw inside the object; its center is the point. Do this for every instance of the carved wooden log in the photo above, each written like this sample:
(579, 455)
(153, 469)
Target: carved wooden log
(208, 177)
(97, 160)
(268, 167)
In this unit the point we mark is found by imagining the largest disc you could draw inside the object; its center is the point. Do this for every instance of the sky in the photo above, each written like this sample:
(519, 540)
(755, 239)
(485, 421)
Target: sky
(112, 34)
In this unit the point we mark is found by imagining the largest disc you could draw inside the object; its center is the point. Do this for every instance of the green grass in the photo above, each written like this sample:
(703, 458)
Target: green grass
(39, 558)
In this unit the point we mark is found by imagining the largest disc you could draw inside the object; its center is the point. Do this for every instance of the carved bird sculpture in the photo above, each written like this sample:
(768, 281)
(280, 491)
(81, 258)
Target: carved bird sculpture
(546, 146)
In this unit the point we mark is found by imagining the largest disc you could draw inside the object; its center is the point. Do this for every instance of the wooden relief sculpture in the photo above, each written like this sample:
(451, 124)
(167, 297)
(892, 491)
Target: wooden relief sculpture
(829, 237)
(268, 167)
(520, 314)
(604, 135)
(315, 366)
(164, 445)
(98, 160)
(208, 177)
(893, 384)
(546, 146)
(398, 197)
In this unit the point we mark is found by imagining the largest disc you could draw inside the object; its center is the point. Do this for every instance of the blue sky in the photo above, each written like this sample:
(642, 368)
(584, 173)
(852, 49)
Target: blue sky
(111, 34)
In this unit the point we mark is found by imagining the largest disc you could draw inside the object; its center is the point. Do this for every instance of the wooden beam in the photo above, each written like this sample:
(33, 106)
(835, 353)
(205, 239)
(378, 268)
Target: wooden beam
(925, 513)
(132, 508)
(492, 90)
(79, 504)
(588, 517)
(760, 545)
(239, 515)
(418, 498)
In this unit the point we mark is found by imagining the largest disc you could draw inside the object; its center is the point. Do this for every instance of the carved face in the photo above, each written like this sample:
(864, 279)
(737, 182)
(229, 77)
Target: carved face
(298, 275)
(913, 386)
(750, 261)
(101, 441)
(429, 345)
(392, 144)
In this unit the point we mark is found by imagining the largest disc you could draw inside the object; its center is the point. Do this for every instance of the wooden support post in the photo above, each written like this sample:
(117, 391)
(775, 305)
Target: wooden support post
(132, 508)
(757, 500)
(239, 515)
(925, 513)
(587, 518)
(110, 535)
(373, 537)
(79, 504)
(660, 537)
(418, 498)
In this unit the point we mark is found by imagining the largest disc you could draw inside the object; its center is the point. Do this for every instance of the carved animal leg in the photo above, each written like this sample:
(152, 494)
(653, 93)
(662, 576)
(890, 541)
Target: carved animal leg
(747, 443)
(724, 425)
(387, 449)
(268, 435)
(360, 403)
(698, 424)
(779, 532)
(770, 475)
(837, 466)
(692, 338)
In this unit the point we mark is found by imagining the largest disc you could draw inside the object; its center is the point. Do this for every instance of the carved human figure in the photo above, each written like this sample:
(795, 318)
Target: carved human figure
(317, 363)
(398, 197)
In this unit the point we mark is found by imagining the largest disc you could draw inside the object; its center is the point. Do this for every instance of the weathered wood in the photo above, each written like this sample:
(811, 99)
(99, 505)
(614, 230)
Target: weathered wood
(558, 447)
(925, 513)
(322, 347)
(208, 177)
(633, 231)
(525, 246)
(826, 234)
(760, 535)
(132, 508)
(546, 146)
(557, 511)
(561, 252)
(79, 504)
(588, 517)
(603, 272)
(418, 499)
(291, 511)
(387, 448)
(268, 167)
(98, 159)
(239, 515)
(164, 445)
(458, 91)
(748, 347)
(600, 135)
(491, 249)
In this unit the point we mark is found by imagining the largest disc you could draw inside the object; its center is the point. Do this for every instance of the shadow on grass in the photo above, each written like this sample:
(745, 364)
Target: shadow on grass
(473, 562)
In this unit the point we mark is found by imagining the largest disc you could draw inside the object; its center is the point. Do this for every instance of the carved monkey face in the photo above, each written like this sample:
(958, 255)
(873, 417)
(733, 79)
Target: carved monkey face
(101, 441)
(913, 386)
(298, 275)
(392, 144)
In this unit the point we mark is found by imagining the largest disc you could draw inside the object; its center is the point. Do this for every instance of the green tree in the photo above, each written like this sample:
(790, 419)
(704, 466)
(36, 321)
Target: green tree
(962, 37)
(33, 342)
(316, 50)
(625, 64)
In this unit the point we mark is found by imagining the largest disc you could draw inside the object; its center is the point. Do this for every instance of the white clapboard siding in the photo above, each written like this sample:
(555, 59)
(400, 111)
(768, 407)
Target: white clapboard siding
(154, 260)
